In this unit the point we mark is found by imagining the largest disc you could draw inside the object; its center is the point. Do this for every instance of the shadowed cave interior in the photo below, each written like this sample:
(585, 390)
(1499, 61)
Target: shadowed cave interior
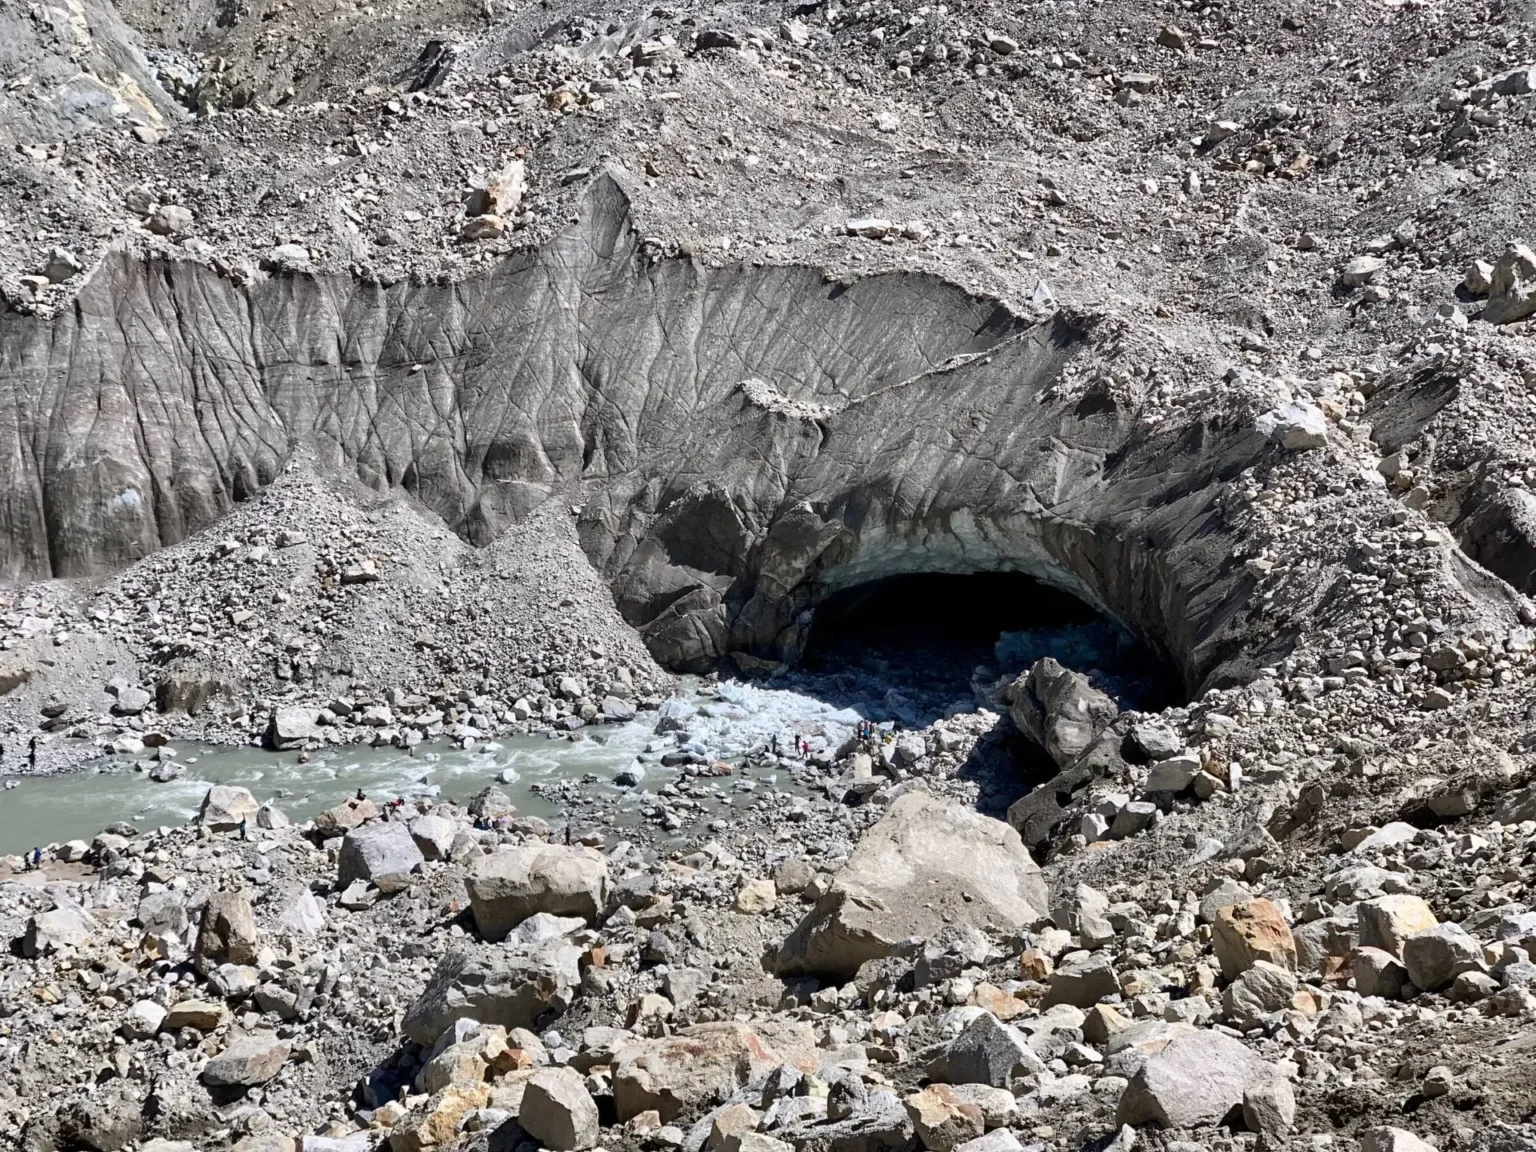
(911, 648)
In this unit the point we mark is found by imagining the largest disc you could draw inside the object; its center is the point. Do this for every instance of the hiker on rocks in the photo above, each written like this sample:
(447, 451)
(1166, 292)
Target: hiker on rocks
(32, 753)
(244, 835)
(360, 795)
(775, 743)
(37, 859)
(32, 858)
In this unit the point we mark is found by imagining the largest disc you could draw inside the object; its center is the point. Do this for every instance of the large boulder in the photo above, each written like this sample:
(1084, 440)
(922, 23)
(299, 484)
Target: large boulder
(226, 934)
(1387, 921)
(1195, 1080)
(349, 814)
(511, 884)
(1060, 710)
(1512, 286)
(433, 1125)
(66, 926)
(1250, 931)
(293, 728)
(509, 987)
(1074, 723)
(293, 908)
(225, 806)
(1258, 991)
(558, 1111)
(491, 803)
(162, 913)
(942, 1120)
(434, 835)
(680, 1075)
(987, 1051)
(106, 1120)
(926, 866)
(248, 1062)
(382, 854)
(1436, 956)
(1082, 982)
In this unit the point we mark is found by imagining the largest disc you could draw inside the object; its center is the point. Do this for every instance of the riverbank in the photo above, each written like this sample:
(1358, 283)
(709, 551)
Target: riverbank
(614, 772)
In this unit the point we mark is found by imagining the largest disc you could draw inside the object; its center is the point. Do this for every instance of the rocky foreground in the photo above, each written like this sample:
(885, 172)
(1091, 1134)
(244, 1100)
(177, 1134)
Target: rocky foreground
(887, 970)
(454, 371)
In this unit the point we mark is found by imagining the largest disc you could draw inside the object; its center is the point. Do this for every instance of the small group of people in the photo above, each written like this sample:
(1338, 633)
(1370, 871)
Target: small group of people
(867, 730)
(34, 859)
(798, 745)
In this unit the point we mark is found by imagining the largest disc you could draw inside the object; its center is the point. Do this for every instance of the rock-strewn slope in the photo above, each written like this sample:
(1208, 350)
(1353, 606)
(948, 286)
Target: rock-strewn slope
(437, 380)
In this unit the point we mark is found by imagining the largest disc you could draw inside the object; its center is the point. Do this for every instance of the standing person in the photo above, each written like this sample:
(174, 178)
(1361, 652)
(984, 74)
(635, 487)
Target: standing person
(32, 753)
(244, 835)
(37, 859)
(31, 859)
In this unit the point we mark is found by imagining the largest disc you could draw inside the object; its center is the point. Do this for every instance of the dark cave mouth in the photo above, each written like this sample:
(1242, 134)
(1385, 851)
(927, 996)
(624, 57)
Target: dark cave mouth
(943, 639)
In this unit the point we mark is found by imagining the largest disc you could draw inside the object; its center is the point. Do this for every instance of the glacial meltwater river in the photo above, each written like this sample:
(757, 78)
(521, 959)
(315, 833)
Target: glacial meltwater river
(725, 724)
(576, 778)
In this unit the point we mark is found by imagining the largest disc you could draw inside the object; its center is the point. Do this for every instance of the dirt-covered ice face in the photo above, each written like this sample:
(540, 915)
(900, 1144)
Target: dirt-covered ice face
(745, 442)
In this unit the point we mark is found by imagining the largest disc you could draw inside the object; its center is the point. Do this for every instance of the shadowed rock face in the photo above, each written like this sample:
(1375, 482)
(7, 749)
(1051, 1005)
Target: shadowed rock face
(744, 442)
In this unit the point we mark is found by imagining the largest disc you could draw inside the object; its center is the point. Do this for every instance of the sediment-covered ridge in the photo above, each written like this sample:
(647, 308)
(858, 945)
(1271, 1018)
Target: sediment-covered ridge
(744, 440)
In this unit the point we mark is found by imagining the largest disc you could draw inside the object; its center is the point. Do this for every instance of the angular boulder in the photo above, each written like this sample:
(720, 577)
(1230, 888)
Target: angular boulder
(293, 908)
(1512, 286)
(1387, 921)
(1082, 982)
(987, 1051)
(512, 988)
(1250, 931)
(435, 1122)
(1379, 973)
(66, 926)
(293, 728)
(1259, 990)
(1059, 710)
(162, 913)
(143, 1021)
(942, 1120)
(248, 1062)
(680, 1075)
(907, 879)
(226, 934)
(434, 835)
(558, 1111)
(1194, 1080)
(511, 884)
(1438, 955)
(202, 1015)
(384, 855)
(225, 806)
(491, 803)
(349, 814)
